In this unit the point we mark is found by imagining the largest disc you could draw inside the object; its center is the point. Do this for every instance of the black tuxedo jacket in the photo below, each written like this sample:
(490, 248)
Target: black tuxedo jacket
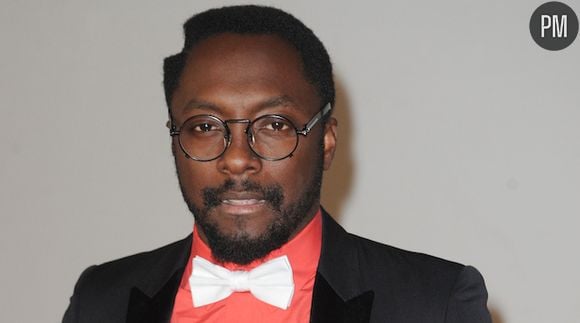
(357, 280)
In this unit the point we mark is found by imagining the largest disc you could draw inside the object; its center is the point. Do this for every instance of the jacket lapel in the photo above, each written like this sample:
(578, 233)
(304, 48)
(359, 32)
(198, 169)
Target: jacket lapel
(337, 295)
(151, 299)
(327, 306)
(145, 309)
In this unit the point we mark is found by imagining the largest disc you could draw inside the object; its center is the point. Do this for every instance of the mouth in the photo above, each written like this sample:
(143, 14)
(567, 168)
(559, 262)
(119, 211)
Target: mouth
(242, 203)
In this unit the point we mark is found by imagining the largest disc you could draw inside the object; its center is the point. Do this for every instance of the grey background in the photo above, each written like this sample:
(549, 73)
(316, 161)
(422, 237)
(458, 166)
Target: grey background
(459, 137)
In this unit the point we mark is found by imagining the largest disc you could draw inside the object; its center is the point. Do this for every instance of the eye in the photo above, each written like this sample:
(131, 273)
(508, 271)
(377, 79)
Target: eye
(203, 127)
(278, 126)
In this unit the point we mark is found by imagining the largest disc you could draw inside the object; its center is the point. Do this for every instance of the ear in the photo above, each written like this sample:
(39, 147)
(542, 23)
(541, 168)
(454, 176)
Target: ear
(173, 147)
(172, 138)
(330, 131)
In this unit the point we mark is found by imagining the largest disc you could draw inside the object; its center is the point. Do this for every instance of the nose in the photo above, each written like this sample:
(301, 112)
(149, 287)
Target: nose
(239, 159)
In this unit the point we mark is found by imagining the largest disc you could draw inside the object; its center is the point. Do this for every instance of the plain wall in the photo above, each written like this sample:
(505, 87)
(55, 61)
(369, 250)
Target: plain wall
(459, 137)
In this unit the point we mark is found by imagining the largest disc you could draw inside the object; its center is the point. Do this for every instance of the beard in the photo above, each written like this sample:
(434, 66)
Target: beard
(241, 248)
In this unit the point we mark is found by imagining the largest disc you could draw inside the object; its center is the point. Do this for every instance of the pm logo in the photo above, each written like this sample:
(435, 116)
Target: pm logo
(554, 26)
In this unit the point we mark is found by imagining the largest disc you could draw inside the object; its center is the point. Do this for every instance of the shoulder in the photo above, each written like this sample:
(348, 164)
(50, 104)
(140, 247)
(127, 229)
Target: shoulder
(123, 270)
(341, 248)
(402, 262)
(102, 292)
(443, 289)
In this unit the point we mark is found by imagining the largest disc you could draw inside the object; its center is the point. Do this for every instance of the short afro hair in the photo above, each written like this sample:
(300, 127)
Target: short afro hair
(251, 19)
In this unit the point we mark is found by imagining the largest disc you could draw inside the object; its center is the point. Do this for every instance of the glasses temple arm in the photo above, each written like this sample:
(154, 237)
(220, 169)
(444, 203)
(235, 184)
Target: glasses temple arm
(315, 119)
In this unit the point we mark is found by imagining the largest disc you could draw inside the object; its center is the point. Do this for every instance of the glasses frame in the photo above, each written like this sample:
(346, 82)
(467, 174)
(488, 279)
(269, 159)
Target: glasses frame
(174, 131)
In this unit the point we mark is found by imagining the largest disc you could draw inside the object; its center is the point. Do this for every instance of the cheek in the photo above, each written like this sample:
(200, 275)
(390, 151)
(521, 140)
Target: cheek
(288, 174)
(193, 176)
(296, 173)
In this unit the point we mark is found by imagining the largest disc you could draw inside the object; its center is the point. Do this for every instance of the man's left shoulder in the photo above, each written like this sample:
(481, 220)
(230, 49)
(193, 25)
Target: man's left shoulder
(383, 256)
(443, 288)
(378, 262)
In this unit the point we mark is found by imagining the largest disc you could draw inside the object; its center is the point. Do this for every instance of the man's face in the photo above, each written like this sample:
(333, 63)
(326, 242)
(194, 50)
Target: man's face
(245, 206)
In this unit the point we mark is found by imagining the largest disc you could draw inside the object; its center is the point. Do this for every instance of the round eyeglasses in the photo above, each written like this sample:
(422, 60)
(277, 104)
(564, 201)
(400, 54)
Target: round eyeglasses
(271, 137)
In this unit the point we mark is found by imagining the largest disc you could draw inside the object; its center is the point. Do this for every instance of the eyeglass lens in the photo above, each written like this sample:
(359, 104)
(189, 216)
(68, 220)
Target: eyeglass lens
(206, 137)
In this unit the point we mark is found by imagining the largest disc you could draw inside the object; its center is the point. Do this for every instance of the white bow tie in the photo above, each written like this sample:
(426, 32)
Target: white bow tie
(271, 282)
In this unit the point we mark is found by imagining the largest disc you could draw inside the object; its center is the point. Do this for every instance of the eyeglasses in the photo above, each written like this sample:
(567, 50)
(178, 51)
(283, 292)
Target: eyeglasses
(271, 137)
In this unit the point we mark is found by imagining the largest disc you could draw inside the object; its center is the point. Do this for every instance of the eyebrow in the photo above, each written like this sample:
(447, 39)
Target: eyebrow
(277, 101)
(282, 100)
(198, 104)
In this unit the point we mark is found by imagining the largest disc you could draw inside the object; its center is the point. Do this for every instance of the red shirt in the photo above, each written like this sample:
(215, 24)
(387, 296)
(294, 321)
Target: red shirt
(303, 252)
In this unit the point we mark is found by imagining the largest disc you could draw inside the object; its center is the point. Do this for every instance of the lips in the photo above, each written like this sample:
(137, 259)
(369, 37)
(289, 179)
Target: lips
(241, 202)
(239, 197)
(243, 197)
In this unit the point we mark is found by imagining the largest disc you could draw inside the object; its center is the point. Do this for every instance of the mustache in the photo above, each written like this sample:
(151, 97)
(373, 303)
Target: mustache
(272, 194)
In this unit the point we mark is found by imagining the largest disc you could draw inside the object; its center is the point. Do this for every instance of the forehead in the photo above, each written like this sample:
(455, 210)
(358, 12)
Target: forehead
(243, 71)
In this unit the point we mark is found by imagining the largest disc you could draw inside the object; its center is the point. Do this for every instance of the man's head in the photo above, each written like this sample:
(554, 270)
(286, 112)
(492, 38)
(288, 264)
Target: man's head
(242, 63)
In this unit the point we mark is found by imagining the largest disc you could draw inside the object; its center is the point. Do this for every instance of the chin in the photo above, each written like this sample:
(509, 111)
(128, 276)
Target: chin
(241, 228)
(241, 242)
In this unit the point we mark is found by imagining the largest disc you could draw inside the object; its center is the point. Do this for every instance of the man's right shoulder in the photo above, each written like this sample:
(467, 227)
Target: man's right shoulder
(102, 291)
(123, 270)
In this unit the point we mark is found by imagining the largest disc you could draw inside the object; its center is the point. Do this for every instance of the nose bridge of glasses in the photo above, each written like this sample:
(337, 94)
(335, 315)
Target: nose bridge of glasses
(246, 121)
(247, 130)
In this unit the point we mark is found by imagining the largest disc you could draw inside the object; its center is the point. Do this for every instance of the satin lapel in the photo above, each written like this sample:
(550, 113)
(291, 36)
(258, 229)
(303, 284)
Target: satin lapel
(328, 307)
(338, 295)
(152, 297)
(156, 309)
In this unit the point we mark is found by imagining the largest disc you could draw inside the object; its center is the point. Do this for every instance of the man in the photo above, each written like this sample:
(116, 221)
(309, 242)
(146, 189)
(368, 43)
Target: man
(250, 99)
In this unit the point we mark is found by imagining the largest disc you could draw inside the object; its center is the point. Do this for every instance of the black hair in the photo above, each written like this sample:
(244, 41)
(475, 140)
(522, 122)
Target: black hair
(251, 19)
